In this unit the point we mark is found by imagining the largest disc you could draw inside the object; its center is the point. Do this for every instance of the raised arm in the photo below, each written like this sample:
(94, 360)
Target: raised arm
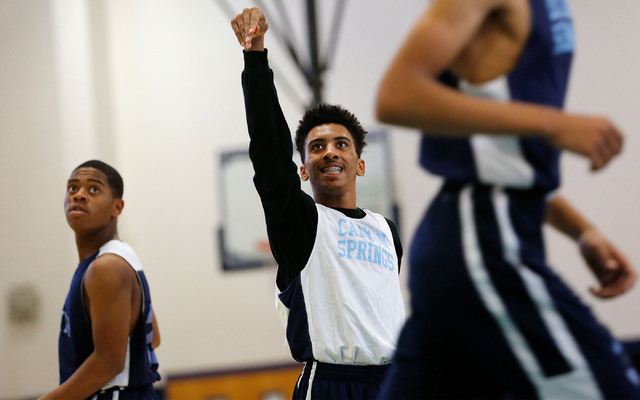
(109, 284)
(290, 213)
(611, 268)
(271, 148)
(410, 94)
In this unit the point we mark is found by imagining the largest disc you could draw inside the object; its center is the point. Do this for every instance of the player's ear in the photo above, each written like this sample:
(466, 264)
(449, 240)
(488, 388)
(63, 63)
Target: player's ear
(303, 173)
(118, 205)
(360, 167)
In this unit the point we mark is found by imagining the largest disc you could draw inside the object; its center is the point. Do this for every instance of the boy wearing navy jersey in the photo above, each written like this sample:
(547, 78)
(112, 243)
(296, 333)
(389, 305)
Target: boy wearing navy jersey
(108, 330)
(485, 80)
(338, 291)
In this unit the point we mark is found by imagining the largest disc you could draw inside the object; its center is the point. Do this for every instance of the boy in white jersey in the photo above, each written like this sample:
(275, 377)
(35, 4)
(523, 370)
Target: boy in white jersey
(337, 281)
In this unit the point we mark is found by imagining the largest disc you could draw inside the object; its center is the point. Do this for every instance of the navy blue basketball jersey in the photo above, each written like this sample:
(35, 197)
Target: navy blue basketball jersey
(490, 319)
(541, 77)
(75, 343)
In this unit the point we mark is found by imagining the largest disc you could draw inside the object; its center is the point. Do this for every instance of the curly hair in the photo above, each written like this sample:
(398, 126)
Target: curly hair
(323, 113)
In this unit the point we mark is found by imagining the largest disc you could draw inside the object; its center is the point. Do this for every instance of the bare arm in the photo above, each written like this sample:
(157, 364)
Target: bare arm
(611, 268)
(108, 284)
(410, 94)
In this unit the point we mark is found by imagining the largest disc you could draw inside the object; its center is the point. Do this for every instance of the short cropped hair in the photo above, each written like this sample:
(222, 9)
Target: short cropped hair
(323, 113)
(114, 180)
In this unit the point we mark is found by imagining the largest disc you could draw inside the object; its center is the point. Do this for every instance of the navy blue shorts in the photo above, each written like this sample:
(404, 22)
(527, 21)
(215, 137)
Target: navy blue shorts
(333, 381)
(127, 393)
(489, 317)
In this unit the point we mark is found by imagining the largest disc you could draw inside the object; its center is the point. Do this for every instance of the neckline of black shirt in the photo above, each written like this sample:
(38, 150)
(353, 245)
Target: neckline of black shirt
(351, 212)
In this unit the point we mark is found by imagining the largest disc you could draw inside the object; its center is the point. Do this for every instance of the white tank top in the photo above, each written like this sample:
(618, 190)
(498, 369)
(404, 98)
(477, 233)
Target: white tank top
(351, 290)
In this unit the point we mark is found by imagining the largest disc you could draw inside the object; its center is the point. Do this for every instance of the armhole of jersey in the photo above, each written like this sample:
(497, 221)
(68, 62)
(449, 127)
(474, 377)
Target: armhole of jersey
(87, 316)
(142, 296)
(395, 234)
(312, 206)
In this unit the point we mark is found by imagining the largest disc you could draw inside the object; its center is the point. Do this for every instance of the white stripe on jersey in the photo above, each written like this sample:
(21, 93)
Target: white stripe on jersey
(499, 159)
(578, 383)
(125, 251)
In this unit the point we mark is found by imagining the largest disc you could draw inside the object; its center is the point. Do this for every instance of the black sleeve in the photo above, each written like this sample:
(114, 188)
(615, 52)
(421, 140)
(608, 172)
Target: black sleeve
(290, 213)
(396, 241)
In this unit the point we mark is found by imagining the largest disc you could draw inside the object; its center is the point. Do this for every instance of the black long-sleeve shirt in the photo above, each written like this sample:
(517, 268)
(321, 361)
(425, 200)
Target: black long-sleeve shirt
(290, 213)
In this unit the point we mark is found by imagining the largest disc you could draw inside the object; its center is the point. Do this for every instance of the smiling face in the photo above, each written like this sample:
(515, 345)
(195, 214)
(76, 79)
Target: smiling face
(331, 164)
(89, 202)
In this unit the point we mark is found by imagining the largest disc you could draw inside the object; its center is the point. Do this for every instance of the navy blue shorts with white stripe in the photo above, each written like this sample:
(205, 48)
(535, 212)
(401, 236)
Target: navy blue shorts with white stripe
(489, 317)
(320, 381)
